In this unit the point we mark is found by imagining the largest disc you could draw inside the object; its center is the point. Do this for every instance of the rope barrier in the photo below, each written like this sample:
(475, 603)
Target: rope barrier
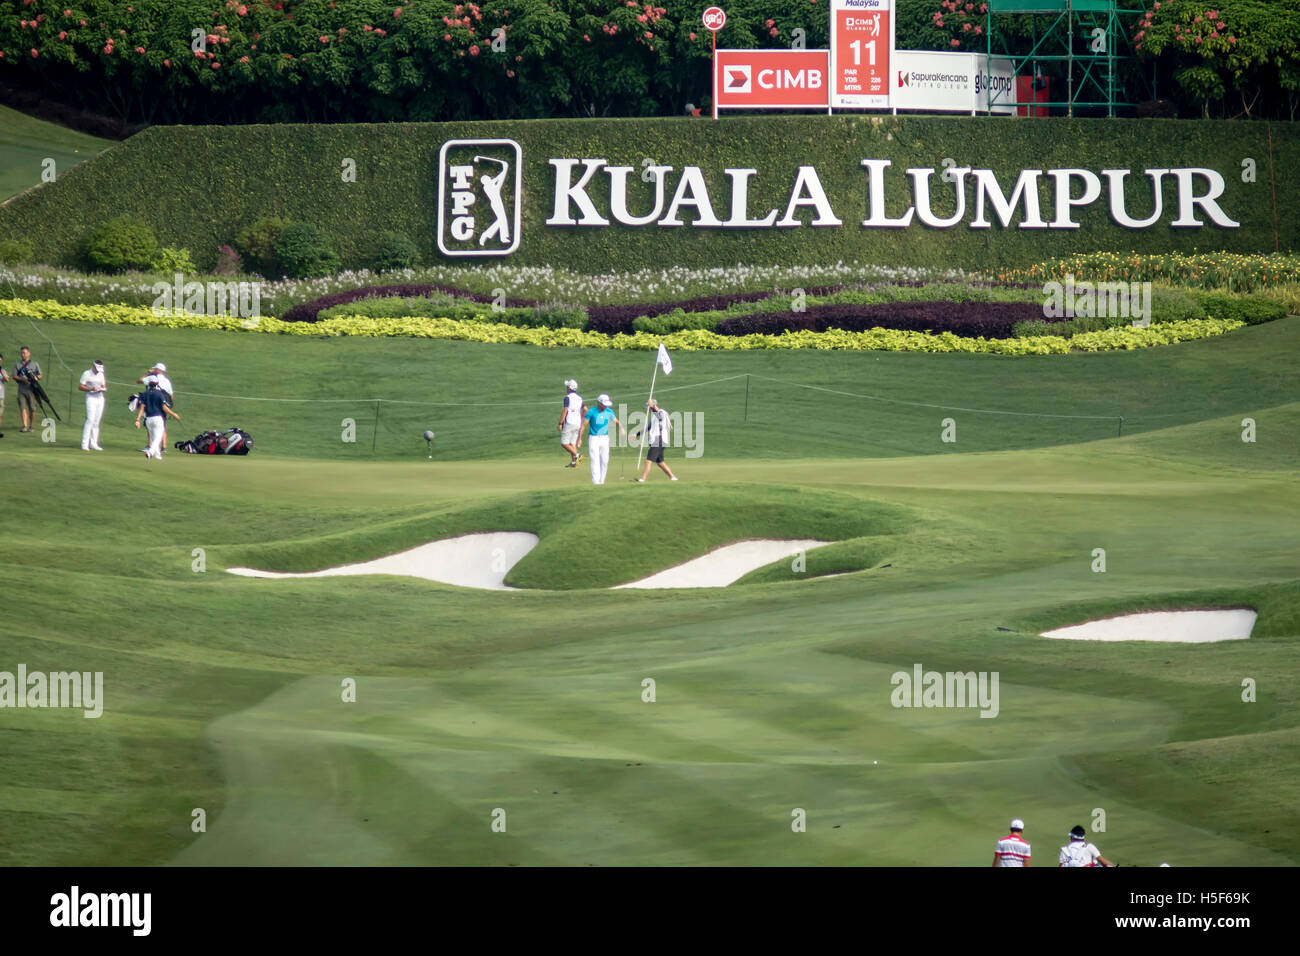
(538, 403)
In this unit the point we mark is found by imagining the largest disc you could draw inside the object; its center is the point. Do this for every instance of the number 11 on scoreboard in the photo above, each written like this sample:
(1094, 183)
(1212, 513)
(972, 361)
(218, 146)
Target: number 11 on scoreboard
(862, 45)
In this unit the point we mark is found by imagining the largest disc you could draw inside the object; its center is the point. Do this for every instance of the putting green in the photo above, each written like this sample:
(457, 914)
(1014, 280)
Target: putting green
(773, 694)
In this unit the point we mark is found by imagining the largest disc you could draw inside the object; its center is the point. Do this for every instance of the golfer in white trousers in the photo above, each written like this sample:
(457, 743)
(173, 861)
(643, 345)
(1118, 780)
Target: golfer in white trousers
(153, 408)
(598, 421)
(94, 384)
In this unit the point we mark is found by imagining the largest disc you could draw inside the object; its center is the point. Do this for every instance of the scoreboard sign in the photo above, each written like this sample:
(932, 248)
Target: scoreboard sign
(862, 46)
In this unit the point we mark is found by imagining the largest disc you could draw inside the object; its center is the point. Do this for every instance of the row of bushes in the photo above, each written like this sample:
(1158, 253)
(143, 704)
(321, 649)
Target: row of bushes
(876, 339)
(271, 246)
(413, 293)
(446, 307)
(115, 246)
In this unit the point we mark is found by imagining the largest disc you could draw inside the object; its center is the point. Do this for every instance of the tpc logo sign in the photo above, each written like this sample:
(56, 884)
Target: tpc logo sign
(480, 189)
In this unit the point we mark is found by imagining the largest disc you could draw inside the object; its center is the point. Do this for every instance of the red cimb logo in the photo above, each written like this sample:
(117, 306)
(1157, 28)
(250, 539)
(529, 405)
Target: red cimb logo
(715, 18)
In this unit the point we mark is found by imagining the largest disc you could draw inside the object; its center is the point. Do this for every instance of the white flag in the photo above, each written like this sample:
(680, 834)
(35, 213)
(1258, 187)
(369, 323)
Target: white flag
(664, 361)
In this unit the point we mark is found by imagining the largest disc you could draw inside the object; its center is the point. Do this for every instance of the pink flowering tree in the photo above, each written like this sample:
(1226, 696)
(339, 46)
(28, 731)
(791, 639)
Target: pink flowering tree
(1247, 51)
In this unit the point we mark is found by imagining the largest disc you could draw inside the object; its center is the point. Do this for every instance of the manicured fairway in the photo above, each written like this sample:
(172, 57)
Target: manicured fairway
(26, 144)
(225, 693)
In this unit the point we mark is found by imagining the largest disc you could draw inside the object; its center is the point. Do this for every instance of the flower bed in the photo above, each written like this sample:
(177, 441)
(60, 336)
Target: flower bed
(875, 339)
(994, 320)
(308, 311)
(1207, 270)
(619, 319)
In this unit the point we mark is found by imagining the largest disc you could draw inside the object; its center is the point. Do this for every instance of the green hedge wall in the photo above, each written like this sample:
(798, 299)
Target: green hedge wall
(198, 186)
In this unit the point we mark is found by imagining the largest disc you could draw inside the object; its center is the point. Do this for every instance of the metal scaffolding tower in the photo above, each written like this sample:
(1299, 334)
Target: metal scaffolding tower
(1087, 36)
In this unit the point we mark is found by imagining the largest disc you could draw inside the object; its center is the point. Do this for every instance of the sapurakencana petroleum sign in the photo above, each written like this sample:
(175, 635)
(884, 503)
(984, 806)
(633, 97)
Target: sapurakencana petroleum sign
(481, 186)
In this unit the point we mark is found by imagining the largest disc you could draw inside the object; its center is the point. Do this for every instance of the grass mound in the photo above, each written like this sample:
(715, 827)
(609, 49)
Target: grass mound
(599, 540)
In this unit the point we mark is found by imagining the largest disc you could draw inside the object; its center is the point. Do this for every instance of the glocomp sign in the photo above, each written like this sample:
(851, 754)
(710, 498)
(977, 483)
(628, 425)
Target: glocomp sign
(767, 79)
(952, 82)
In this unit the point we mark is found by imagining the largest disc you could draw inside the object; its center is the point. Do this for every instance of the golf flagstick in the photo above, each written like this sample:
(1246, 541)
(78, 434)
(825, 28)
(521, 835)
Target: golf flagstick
(661, 358)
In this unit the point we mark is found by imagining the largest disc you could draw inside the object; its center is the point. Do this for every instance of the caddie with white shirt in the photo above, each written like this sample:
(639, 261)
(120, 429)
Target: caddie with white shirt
(153, 408)
(1079, 852)
(657, 437)
(157, 375)
(571, 422)
(94, 384)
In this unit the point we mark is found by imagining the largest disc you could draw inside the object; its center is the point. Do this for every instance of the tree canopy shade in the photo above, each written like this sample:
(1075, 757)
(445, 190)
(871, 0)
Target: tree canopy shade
(257, 61)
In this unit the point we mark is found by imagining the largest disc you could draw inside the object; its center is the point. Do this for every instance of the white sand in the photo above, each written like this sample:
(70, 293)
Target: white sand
(1179, 627)
(470, 561)
(724, 565)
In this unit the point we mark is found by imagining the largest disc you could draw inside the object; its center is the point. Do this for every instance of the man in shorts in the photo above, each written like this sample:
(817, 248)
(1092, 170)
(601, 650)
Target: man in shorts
(27, 371)
(571, 422)
(657, 436)
(4, 377)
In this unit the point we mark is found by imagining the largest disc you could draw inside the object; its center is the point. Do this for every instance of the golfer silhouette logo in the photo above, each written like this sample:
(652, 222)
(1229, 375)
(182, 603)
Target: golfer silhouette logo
(492, 186)
(479, 197)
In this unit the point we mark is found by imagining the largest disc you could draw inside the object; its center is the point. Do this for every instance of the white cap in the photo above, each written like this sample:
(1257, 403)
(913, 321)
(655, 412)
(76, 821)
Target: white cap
(1017, 824)
(160, 367)
(571, 383)
(604, 400)
(97, 363)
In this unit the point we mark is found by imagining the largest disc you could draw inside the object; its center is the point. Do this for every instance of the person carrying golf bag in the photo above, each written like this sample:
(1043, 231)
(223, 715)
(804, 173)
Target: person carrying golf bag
(31, 396)
(1079, 852)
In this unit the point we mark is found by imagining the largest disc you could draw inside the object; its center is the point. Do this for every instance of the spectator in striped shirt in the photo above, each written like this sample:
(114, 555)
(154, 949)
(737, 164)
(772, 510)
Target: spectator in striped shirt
(1012, 850)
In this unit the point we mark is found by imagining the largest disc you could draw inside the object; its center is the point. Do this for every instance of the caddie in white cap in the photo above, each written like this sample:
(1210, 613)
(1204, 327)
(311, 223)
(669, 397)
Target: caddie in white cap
(157, 375)
(598, 419)
(570, 423)
(1012, 850)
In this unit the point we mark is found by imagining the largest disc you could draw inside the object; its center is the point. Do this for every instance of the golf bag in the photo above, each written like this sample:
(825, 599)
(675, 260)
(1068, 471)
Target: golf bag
(234, 441)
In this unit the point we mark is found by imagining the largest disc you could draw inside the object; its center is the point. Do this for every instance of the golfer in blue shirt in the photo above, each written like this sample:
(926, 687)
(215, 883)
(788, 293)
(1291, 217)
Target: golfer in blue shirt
(598, 421)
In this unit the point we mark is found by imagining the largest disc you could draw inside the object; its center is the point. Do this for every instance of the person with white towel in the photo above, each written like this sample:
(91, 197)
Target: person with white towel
(570, 423)
(94, 384)
(658, 435)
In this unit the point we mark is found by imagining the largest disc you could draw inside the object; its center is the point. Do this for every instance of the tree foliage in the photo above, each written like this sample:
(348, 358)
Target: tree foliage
(247, 61)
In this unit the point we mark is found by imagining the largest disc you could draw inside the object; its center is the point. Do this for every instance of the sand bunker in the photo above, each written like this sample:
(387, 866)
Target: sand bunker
(470, 561)
(1179, 627)
(724, 565)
